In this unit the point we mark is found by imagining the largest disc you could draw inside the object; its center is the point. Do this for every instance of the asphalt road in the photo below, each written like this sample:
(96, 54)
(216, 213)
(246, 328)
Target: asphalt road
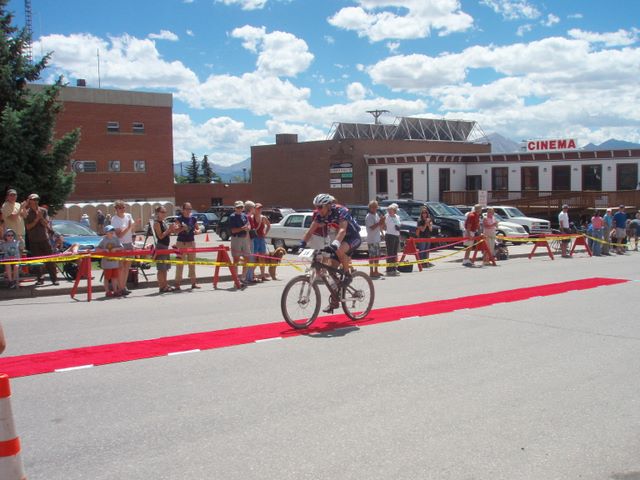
(545, 388)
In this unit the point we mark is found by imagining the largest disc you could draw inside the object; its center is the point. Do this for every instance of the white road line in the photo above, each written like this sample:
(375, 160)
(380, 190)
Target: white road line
(182, 352)
(267, 340)
(69, 369)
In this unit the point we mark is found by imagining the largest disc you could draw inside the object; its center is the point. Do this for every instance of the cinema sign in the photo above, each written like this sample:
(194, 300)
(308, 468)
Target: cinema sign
(554, 144)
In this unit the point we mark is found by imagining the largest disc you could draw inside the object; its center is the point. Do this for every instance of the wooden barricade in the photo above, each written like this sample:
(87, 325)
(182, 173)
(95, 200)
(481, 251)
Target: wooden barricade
(543, 240)
(223, 257)
(483, 246)
(84, 272)
(410, 249)
(580, 241)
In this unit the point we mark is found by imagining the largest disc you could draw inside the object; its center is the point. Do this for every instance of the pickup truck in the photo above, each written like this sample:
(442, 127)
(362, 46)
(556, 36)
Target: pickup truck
(532, 225)
(290, 230)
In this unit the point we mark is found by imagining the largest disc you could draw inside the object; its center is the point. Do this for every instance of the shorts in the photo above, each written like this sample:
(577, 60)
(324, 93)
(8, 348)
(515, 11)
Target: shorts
(620, 234)
(110, 273)
(568, 232)
(161, 266)
(374, 250)
(353, 242)
(240, 246)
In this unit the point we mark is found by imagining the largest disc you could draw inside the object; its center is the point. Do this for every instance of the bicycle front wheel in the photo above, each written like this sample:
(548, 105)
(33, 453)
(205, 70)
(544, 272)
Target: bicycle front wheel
(357, 298)
(300, 302)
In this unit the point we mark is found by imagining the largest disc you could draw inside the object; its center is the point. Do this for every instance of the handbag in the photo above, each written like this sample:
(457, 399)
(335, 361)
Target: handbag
(253, 233)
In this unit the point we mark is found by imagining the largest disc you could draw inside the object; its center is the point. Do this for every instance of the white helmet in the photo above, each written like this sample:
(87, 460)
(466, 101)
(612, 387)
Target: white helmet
(323, 199)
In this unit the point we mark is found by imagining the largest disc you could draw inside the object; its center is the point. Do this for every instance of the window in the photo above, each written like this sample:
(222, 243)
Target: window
(405, 183)
(561, 178)
(139, 166)
(113, 127)
(137, 127)
(294, 221)
(114, 165)
(381, 182)
(307, 221)
(592, 177)
(627, 176)
(529, 178)
(474, 182)
(84, 166)
(500, 178)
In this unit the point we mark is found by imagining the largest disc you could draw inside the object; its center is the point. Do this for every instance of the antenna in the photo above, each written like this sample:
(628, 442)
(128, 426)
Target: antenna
(28, 23)
(376, 115)
(98, 54)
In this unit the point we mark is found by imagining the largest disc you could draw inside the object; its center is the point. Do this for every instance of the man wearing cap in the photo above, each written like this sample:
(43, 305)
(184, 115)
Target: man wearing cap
(607, 220)
(240, 241)
(37, 224)
(620, 224)
(14, 213)
(565, 227)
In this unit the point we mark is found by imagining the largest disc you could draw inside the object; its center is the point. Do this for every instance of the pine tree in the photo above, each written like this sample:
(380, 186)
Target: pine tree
(30, 159)
(193, 170)
(207, 172)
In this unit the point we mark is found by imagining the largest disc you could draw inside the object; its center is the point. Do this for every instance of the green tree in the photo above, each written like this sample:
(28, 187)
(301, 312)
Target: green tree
(30, 159)
(207, 171)
(193, 170)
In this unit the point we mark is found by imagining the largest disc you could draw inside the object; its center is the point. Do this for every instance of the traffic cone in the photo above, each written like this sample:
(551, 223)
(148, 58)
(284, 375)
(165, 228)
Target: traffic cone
(10, 460)
(206, 238)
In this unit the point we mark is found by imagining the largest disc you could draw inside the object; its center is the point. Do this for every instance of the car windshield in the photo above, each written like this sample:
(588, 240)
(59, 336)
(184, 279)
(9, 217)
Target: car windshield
(74, 229)
(403, 215)
(211, 216)
(443, 209)
(514, 212)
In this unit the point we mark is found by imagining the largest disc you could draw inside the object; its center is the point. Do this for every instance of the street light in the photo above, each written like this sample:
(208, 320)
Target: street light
(244, 174)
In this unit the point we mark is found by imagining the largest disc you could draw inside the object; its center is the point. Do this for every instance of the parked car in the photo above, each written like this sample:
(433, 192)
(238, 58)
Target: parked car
(446, 218)
(209, 220)
(289, 232)
(172, 219)
(532, 225)
(75, 232)
(508, 229)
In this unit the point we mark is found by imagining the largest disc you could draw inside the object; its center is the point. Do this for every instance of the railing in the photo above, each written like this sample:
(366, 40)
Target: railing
(549, 202)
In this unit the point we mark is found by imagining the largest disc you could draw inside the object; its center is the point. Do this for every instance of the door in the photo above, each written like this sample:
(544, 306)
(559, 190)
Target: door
(561, 178)
(444, 182)
(405, 183)
(474, 183)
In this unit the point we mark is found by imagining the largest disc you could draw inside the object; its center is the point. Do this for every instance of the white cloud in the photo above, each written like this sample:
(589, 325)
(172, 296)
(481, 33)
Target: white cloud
(164, 35)
(522, 29)
(513, 9)
(190, 33)
(393, 46)
(329, 39)
(245, 4)
(575, 16)
(125, 61)
(402, 19)
(610, 39)
(551, 20)
(356, 91)
(279, 53)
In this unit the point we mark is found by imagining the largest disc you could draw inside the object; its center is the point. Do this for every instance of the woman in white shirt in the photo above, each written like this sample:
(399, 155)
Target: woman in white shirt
(125, 230)
(392, 238)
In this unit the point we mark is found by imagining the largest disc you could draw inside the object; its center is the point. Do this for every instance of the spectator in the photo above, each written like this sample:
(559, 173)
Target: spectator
(125, 227)
(620, 224)
(249, 208)
(111, 243)
(607, 225)
(597, 227)
(186, 239)
(10, 250)
(162, 233)
(565, 228)
(38, 230)
(100, 219)
(261, 225)
(84, 220)
(107, 219)
(14, 214)
(635, 224)
(1, 224)
(240, 242)
(423, 230)
(3, 341)
(489, 226)
(471, 229)
(392, 238)
(374, 223)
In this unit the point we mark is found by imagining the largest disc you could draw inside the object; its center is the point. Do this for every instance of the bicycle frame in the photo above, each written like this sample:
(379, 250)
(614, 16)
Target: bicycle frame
(316, 269)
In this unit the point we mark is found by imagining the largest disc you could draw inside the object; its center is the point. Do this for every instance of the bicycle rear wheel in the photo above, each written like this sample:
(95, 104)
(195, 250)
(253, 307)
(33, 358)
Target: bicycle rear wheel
(357, 298)
(300, 302)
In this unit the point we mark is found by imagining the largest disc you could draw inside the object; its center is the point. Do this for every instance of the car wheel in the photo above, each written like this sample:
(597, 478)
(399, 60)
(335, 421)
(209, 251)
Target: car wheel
(278, 243)
(224, 235)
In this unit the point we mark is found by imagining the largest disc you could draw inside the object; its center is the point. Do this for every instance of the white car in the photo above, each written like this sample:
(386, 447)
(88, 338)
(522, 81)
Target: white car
(510, 229)
(531, 225)
(290, 230)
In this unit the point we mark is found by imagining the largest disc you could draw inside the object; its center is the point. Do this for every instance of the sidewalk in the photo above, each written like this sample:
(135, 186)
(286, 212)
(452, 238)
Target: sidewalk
(204, 275)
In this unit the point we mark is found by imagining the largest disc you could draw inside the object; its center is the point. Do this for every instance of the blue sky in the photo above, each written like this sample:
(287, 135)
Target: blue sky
(242, 71)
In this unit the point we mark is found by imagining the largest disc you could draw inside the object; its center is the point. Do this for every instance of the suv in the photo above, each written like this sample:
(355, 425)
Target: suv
(448, 220)
(532, 225)
(209, 220)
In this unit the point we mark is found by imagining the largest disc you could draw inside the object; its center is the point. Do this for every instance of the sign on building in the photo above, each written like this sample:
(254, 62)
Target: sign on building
(341, 175)
(551, 145)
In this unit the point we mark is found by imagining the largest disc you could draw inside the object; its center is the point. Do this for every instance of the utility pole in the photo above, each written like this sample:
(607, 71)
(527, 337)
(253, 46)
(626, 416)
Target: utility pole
(28, 23)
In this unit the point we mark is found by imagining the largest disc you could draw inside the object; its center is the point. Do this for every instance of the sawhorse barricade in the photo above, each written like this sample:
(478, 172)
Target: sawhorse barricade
(542, 240)
(482, 246)
(223, 259)
(410, 249)
(580, 240)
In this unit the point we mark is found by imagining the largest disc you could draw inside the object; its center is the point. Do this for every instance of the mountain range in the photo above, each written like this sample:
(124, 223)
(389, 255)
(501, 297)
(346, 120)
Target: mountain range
(235, 172)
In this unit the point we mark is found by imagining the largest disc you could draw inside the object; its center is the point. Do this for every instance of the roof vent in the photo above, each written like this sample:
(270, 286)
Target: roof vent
(81, 82)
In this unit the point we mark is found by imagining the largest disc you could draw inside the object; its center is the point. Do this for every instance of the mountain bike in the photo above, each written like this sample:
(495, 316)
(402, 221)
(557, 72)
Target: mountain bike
(300, 302)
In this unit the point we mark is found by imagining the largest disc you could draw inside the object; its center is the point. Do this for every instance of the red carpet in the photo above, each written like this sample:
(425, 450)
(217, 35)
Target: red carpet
(46, 362)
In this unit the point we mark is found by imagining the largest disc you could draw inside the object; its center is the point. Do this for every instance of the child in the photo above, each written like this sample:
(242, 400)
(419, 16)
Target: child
(11, 251)
(110, 243)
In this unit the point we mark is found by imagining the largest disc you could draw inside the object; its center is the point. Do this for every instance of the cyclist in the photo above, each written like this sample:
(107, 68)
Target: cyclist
(347, 238)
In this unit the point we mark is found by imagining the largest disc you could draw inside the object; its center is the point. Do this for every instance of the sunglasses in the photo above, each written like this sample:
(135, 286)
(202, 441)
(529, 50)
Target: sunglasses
(119, 208)
(187, 208)
(9, 235)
